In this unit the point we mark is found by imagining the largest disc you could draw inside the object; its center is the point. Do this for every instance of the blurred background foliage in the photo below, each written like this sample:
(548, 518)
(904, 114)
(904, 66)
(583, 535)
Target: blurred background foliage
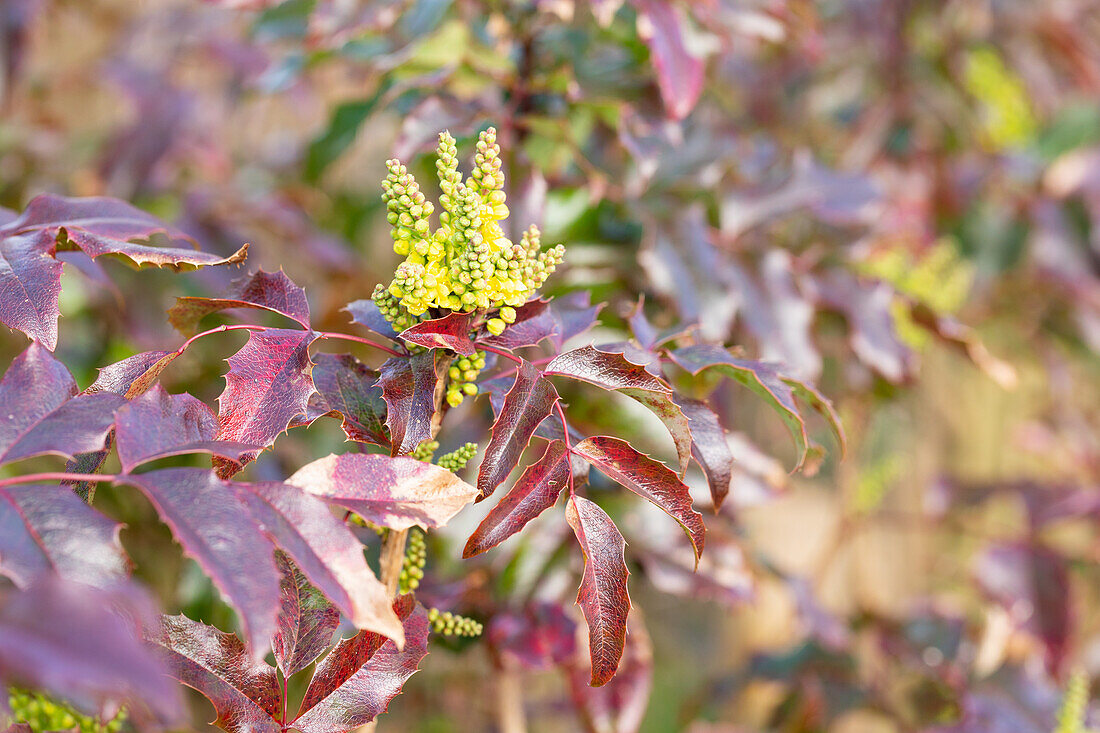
(839, 185)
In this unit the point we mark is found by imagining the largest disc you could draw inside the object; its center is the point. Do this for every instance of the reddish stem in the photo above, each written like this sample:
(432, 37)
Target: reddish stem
(219, 329)
(359, 340)
(57, 476)
(502, 352)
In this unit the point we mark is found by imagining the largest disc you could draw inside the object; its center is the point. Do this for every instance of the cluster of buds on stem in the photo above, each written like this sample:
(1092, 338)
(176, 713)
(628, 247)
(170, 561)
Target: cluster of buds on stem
(467, 263)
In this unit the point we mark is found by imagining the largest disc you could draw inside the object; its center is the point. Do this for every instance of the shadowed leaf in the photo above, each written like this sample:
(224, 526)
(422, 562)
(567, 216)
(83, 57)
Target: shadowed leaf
(452, 331)
(602, 596)
(351, 389)
(271, 291)
(215, 529)
(526, 404)
(535, 491)
(534, 322)
(307, 620)
(613, 371)
(47, 529)
(573, 314)
(357, 680)
(157, 424)
(647, 478)
(409, 389)
(390, 492)
(244, 692)
(709, 446)
(365, 312)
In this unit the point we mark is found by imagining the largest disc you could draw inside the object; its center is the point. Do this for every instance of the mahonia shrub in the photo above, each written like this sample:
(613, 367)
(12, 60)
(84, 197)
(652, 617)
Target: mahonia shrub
(462, 317)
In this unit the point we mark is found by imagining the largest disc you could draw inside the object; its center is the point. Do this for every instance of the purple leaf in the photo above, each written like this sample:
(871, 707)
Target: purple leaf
(534, 322)
(215, 529)
(30, 284)
(134, 375)
(365, 313)
(573, 314)
(643, 330)
(602, 596)
(324, 549)
(271, 291)
(409, 389)
(104, 226)
(244, 692)
(47, 529)
(620, 705)
(540, 637)
(452, 331)
(679, 72)
(535, 491)
(761, 377)
(526, 404)
(613, 371)
(350, 388)
(42, 414)
(390, 492)
(157, 424)
(647, 478)
(307, 620)
(709, 446)
(79, 643)
(267, 387)
(356, 682)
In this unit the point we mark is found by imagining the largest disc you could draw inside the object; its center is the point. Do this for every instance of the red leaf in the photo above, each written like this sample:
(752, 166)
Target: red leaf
(47, 529)
(104, 226)
(534, 322)
(307, 620)
(157, 425)
(602, 596)
(527, 404)
(709, 446)
(245, 693)
(30, 279)
(452, 331)
(356, 682)
(620, 705)
(215, 529)
(762, 378)
(350, 388)
(647, 478)
(540, 637)
(409, 389)
(679, 72)
(535, 491)
(267, 387)
(324, 549)
(42, 414)
(613, 371)
(78, 643)
(134, 375)
(272, 291)
(390, 492)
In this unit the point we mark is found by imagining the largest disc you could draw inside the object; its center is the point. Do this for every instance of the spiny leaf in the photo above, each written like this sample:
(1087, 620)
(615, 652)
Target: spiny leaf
(47, 529)
(30, 279)
(41, 413)
(79, 643)
(350, 388)
(452, 331)
(324, 549)
(409, 387)
(647, 478)
(762, 378)
(390, 492)
(613, 371)
(267, 387)
(271, 291)
(603, 595)
(307, 620)
(215, 529)
(157, 424)
(535, 491)
(356, 682)
(534, 322)
(709, 446)
(244, 692)
(526, 404)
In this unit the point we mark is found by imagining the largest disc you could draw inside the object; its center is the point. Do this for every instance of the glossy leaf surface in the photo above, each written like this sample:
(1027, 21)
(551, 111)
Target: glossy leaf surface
(271, 291)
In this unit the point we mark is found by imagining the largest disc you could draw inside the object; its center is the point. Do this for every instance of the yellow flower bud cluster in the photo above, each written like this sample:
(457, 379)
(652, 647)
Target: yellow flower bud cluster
(467, 263)
(462, 377)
